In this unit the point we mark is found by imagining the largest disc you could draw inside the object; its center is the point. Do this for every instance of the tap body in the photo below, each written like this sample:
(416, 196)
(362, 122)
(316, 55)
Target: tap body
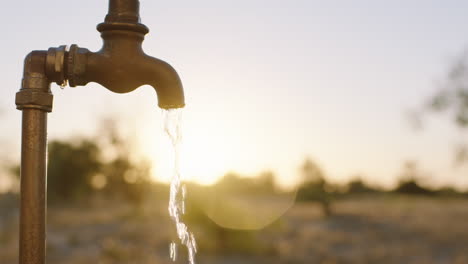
(122, 66)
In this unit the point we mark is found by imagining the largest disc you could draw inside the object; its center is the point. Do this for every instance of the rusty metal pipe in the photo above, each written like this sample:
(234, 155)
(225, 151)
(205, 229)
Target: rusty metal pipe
(35, 100)
(33, 187)
(123, 11)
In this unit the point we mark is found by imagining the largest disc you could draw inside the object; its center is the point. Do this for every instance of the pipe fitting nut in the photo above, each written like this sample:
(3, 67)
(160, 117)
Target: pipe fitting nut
(55, 64)
(29, 98)
(76, 65)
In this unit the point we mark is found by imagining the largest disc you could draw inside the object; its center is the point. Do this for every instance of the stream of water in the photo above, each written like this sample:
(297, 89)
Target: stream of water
(172, 127)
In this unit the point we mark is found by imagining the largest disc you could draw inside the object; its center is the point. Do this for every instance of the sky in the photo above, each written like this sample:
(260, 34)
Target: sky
(267, 83)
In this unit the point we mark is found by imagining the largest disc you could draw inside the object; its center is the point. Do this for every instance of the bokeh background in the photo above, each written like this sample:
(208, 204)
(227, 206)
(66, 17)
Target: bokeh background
(314, 132)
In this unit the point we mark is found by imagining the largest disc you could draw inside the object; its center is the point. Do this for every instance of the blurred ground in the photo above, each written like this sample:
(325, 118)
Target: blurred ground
(372, 229)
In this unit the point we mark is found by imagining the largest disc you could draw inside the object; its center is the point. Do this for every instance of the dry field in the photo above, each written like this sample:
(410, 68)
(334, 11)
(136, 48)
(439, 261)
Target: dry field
(362, 230)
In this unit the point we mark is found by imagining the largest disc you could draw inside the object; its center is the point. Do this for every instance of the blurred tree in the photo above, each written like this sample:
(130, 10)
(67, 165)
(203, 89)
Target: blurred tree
(358, 186)
(10, 171)
(125, 174)
(453, 96)
(311, 172)
(71, 167)
(454, 92)
(314, 186)
(9, 168)
(409, 181)
(103, 163)
(266, 182)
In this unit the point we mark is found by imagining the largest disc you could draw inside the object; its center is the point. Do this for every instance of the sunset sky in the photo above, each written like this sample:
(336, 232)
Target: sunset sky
(267, 83)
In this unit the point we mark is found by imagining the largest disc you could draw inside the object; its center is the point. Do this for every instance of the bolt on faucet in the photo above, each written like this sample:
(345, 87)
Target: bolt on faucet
(121, 66)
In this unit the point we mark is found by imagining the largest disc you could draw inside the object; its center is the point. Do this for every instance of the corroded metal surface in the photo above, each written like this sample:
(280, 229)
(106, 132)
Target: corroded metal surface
(35, 100)
(33, 187)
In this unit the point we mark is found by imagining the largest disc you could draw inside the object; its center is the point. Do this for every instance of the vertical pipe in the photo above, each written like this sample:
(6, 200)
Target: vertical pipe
(124, 6)
(33, 187)
(123, 11)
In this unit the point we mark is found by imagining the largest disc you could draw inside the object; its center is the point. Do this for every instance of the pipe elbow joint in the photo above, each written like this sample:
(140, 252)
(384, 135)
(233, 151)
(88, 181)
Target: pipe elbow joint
(35, 85)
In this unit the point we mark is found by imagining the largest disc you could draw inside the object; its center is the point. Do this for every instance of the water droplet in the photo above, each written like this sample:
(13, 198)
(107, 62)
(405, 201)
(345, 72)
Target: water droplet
(63, 84)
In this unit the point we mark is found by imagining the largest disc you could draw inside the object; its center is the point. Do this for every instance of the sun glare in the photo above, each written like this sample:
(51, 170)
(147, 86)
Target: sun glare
(203, 158)
(200, 164)
(209, 150)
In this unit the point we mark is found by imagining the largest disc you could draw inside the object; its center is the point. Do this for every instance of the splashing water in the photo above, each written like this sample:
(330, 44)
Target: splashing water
(172, 121)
